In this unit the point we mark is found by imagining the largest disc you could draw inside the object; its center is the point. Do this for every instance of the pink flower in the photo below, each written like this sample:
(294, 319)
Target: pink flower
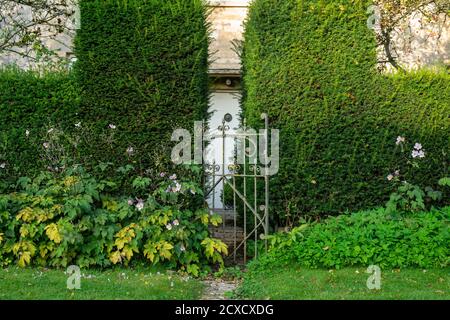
(418, 146)
(112, 126)
(418, 154)
(162, 174)
(173, 177)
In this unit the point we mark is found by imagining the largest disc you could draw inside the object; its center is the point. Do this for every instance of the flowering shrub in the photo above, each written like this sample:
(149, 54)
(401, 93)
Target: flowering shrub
(70, 217)
(410, 197)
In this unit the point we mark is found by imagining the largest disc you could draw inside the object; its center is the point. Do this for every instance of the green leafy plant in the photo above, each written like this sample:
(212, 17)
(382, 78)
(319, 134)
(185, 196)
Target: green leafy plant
(69, 217)
(389, 240)
(409, 197)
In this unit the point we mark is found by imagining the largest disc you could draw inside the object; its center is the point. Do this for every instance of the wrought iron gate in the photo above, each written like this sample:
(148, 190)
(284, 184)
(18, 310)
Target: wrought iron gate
(248, 182)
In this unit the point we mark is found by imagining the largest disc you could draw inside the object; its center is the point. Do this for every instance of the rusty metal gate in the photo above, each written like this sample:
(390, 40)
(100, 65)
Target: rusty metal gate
(248, 183)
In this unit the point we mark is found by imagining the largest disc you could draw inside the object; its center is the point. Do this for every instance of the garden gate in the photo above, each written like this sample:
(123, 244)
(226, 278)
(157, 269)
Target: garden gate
(245, 187)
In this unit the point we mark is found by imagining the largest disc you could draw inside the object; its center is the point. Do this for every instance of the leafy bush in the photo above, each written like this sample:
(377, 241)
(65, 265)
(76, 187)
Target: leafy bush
(311, 65)
(58, 219)
(29, 102)
(141, 71)
(409, 197)
(143, 67)
(366, 238)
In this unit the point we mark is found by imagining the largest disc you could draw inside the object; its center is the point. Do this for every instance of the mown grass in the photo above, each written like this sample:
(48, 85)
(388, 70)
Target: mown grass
(115, 284)
(294, 283)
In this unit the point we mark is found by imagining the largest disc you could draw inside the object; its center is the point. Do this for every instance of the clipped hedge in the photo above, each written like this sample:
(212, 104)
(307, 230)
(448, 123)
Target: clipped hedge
(29, 101)
(142, 66)
(311, 65)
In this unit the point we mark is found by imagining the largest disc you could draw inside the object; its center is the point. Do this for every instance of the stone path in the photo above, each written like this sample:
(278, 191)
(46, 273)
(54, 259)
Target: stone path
(215, 289)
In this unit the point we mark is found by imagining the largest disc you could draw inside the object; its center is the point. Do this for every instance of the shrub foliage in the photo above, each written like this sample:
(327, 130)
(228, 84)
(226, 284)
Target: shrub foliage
(366, 238)
(142, 66)
(311, 65)
(29, 103)
(58, 219)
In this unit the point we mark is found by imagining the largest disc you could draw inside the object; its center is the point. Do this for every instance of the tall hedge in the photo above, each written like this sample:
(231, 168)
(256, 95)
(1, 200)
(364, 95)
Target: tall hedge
(311, 65)
(142, 66)
(32, 102)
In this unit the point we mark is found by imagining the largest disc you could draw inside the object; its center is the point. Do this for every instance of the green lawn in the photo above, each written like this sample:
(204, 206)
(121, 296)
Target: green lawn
(294, 283)
(17, 283)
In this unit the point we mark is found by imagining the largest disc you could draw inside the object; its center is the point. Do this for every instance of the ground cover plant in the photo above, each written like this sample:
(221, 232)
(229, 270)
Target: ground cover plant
(65, 215)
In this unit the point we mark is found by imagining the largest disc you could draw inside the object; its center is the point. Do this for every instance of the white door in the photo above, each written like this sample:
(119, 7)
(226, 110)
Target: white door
(222, 103)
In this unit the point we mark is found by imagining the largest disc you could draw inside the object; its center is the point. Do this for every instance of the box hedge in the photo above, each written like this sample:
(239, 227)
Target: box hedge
(141, 66)
(311, 65)
(32, 102)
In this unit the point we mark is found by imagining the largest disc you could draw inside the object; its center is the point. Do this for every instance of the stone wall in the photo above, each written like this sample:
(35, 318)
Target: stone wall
(419, 41)
(59, 43)
(227, 18)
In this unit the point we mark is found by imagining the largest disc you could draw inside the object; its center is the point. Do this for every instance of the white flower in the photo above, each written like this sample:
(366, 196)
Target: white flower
(397, 173)
(27, 133)
(3, 165)
(418, 146)
(400, 140)
(421, 154)
(169, 226)
(78, 125)
(175, 222)
(140, 204)
(162, 174)
(177, 188)
(182, 248)
(173, 177)
(50, 130)
(112, 126)
(390, 177)
(46, 145)
(130, 202)
(130, 150)
(192, 191)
